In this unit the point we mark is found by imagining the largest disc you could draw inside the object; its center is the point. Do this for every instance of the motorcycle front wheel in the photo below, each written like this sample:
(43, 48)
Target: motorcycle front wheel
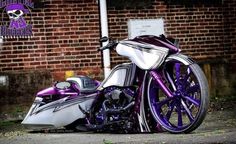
(186, 110)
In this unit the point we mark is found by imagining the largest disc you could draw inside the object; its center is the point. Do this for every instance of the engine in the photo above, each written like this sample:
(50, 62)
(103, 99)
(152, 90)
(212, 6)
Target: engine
(116, 112)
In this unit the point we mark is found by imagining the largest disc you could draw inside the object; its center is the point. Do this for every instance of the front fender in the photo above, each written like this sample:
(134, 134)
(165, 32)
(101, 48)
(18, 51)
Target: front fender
(180, 57)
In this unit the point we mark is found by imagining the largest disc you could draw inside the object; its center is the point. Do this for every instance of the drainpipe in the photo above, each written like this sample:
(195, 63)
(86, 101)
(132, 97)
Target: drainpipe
(1, 42)
(104, 32)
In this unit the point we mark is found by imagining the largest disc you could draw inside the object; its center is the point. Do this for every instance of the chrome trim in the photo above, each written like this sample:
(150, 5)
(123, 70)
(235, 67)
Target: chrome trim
(180, 57)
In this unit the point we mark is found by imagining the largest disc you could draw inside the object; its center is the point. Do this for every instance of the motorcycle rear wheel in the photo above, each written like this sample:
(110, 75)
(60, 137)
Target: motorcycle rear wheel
(187, 109)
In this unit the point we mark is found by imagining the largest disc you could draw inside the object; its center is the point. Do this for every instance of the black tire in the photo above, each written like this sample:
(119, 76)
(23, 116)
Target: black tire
(190, 106)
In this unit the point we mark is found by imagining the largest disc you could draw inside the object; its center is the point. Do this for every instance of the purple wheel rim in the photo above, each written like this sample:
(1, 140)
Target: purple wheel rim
(177, 113)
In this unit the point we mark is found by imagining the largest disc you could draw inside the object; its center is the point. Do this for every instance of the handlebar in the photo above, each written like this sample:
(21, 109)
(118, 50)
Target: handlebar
(110, 45)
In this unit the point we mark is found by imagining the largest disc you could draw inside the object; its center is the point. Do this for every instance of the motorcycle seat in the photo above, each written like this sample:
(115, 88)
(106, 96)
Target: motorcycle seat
(85, 84)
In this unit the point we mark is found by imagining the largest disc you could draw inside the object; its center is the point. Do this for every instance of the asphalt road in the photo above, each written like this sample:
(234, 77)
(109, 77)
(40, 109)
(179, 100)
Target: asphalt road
(218, 127)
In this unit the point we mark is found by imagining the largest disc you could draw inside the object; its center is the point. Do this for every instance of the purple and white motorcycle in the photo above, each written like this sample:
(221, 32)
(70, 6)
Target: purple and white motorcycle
(161, 89)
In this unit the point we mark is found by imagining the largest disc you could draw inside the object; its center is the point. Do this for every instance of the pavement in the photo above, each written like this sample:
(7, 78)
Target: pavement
(218, 127)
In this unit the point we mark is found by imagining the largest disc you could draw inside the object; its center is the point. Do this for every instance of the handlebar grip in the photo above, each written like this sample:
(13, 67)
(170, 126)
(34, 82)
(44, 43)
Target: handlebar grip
(108, 46)
(104, 39)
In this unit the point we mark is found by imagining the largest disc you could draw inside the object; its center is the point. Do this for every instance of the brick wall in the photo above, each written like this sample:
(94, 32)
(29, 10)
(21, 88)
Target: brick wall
(65, 37)
(206, 32)
(66, 33)
(229, 13)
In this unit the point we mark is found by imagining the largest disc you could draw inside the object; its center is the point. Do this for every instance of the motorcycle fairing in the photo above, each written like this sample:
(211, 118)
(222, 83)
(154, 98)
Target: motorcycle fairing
(145, 56)
(58, 113)
(121, 75)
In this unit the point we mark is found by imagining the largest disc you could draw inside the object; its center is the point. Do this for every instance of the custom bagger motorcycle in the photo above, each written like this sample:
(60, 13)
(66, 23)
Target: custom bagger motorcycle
(161, 89)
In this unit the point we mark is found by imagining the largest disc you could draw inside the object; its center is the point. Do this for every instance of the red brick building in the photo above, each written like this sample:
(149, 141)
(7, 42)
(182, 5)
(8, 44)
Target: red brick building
(66, 33)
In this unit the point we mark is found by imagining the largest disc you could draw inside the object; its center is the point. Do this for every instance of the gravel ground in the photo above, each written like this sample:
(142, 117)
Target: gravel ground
(218, 127)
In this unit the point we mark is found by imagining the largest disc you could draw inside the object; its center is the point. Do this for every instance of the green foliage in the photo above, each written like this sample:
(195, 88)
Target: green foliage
(6, 123)
(107, 141)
